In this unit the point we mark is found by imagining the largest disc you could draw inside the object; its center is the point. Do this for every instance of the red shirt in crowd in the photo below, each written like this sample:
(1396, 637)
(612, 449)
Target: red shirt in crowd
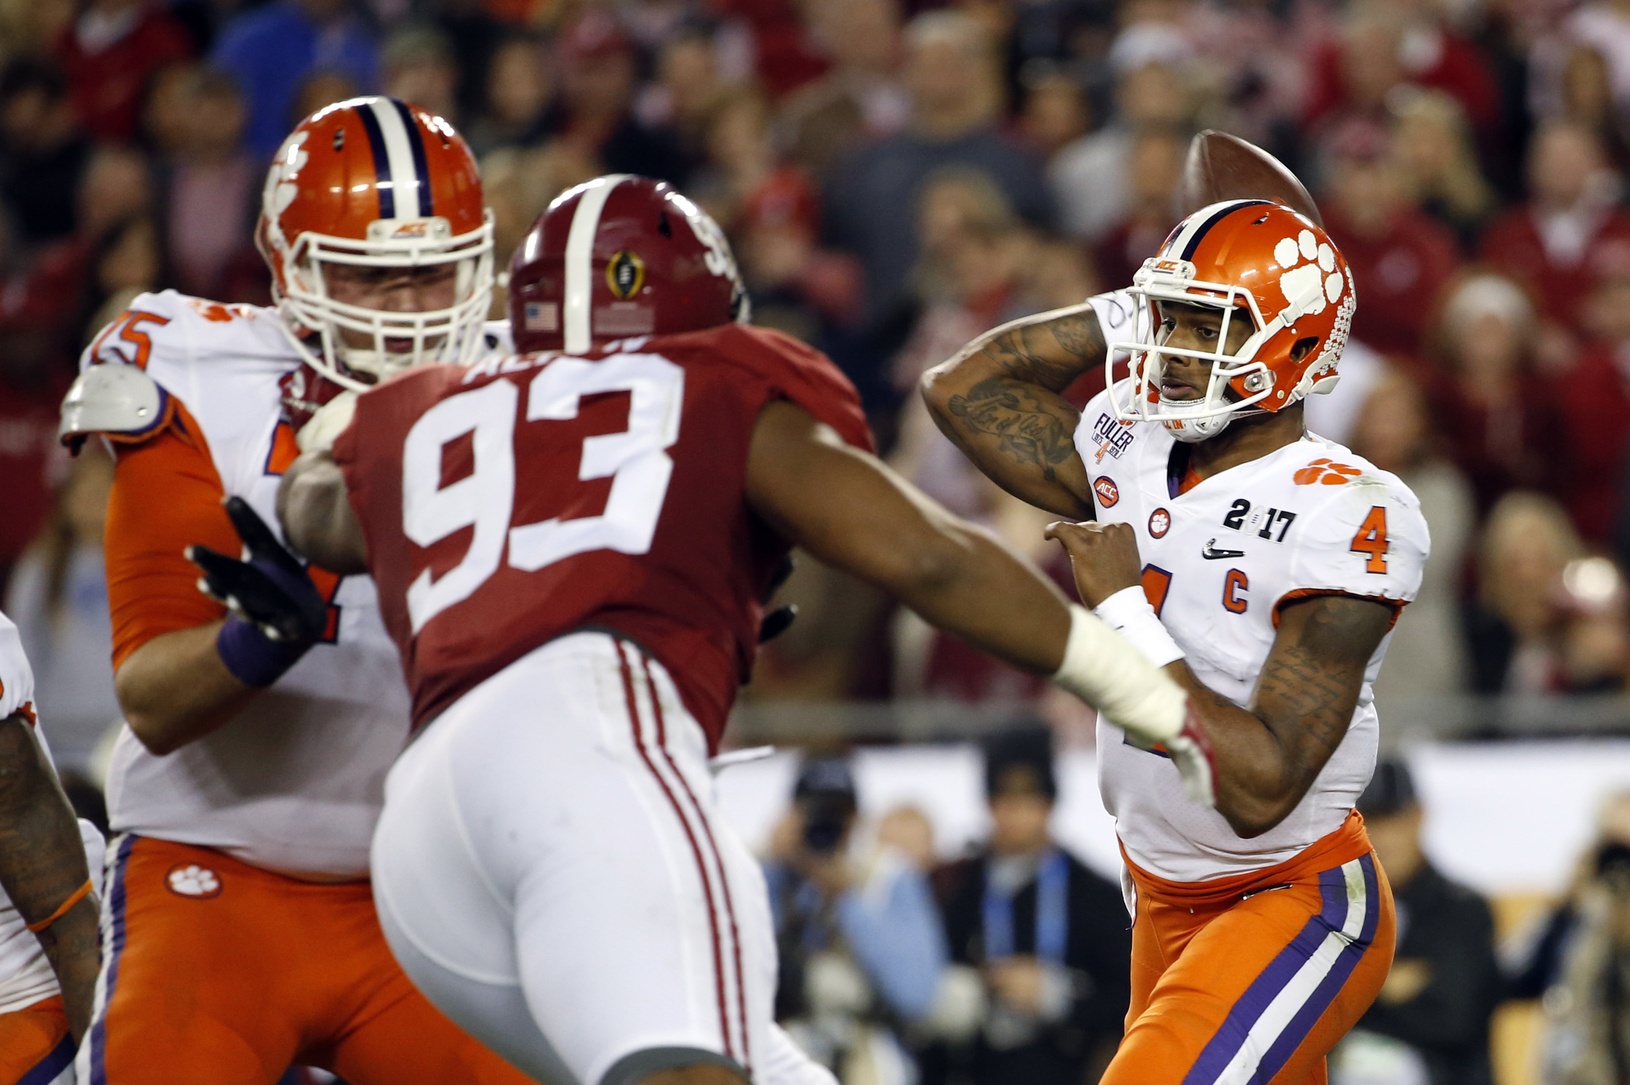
(1512, 243)
(107, 80)
(1398, 276)
(1594, 399)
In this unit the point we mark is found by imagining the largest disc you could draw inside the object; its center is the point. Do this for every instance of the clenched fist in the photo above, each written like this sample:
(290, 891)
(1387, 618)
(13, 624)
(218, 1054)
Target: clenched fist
(1104, 557)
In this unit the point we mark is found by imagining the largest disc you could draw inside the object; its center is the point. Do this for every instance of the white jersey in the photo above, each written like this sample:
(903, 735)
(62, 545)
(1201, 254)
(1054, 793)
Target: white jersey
(25, 974)
(1219, 561)
(294, 783)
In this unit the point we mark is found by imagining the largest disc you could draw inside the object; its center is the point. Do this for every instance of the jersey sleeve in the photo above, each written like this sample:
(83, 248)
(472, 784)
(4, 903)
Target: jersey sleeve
(16, 677)
(798, 372)
(166, 496)
(1369, 540)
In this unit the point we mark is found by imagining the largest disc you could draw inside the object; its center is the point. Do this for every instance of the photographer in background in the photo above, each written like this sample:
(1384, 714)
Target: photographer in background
(1043, 941)
(861, 946)
(1430, 1023)
(1583, 959)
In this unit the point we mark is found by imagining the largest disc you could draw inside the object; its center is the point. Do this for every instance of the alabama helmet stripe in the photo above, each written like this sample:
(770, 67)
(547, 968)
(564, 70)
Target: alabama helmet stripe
(580, 259)
(382, 163)
(421, 168)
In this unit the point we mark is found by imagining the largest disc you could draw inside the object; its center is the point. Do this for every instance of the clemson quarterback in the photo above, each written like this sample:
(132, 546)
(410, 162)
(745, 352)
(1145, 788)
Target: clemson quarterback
(1263, 567)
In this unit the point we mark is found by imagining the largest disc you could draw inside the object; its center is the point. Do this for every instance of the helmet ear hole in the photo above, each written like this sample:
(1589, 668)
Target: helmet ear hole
(1303, 347)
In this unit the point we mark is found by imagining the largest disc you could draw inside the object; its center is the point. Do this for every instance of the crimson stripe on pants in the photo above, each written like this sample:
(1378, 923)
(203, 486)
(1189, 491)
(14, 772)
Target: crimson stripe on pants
(696, 849)
(724, 879)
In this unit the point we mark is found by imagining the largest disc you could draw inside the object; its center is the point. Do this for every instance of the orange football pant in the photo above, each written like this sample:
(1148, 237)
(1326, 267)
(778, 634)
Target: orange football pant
(1254, 978)
(216, 972)
(35, 1047)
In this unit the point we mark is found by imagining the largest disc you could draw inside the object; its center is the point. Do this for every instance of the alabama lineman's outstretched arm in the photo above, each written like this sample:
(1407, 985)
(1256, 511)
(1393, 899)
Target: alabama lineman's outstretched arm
(317, 517)
(847, 508)
(999, 401)
(42, 867)
(1267, 754)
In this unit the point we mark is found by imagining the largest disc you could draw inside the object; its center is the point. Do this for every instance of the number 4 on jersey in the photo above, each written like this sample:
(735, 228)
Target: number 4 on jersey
(1371, 540)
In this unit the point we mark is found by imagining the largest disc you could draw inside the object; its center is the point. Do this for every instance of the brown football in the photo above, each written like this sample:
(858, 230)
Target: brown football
(1225, 167)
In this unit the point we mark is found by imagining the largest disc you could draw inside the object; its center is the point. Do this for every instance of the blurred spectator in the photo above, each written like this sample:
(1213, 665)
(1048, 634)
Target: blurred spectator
(110, 56)
(319, 89)
(785, 54)
(1434, 146)
(520, 84)
(209, 188)
(1401, 258)
(1044, 939)
(861, 945)
(1571, 228)
(1054, 113)
(1088, 176)
(861, 39)
(1594, 401)
(1430, 1024)
(1389, 43)
(1154, 169)
(1393, 432)
(1604, 25)
(1513, 626)
(1587, 1010)
(1496, 416)
(1586, 98)
(688, 90)
(31, 28)
(42, 152)
(956, 102)
(272, 50)
(58, 598)
(1259, 63)
(597, 67)
(418, 65)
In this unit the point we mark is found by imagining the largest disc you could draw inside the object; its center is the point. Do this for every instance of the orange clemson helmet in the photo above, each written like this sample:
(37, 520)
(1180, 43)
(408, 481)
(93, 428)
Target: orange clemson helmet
(375, 183)
(1254, 260)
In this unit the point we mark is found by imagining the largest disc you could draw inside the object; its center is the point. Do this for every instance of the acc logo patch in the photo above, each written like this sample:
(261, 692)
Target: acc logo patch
(625, 274)
(1108, 493)
(192, 880)
(1160, 522)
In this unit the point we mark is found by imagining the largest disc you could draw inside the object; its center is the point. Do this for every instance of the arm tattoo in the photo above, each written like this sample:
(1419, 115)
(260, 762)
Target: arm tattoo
(1023, 353)
(1310, 687)
(1027, 429)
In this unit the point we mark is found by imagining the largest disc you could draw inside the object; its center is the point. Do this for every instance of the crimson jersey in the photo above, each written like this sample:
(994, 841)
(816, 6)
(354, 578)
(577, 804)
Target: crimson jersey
(527, 497)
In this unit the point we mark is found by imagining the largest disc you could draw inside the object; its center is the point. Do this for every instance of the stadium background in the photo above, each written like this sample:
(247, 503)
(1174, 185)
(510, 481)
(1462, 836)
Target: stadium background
(897, 176)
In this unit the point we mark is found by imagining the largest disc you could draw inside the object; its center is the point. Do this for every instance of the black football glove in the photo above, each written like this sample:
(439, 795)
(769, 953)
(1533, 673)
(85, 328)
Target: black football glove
(269, 589)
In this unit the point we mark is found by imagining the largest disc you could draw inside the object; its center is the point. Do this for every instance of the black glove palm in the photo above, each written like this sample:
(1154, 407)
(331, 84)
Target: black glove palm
(269, 589)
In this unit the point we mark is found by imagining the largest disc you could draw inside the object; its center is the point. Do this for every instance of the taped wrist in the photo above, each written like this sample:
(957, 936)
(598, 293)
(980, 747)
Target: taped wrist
(251, 656)
(1128, 613)
(1113, 675)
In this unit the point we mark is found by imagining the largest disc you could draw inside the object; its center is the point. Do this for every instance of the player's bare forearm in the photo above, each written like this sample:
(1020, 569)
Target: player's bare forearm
(850, 510)
(174, 689)
(1269, 754)
(999, 401)
(317, 517)
(42, 864)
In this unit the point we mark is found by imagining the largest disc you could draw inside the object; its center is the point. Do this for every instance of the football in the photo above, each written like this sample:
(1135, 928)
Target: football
(1225, 167)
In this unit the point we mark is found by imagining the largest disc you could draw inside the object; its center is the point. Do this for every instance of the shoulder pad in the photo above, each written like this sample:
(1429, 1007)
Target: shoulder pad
(118, 401)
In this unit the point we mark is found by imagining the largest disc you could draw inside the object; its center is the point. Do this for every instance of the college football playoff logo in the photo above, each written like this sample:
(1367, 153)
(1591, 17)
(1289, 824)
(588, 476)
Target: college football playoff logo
(625, 274)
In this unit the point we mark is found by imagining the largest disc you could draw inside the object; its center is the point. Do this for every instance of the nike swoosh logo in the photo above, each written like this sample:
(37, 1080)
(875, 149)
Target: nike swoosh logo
(1212, 554)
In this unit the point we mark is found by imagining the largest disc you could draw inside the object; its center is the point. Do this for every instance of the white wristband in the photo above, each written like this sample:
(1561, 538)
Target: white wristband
(1128, 613)
(1107, 671)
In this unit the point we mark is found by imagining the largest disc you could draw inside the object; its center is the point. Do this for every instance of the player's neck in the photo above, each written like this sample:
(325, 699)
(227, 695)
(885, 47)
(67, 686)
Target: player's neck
(1246, 439)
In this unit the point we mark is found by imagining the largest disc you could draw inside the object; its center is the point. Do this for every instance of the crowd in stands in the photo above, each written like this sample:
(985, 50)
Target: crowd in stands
(898, 176)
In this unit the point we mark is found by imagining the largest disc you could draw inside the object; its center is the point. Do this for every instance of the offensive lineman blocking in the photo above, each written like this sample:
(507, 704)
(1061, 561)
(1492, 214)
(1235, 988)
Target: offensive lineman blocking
(598, 519)
(1263, 568)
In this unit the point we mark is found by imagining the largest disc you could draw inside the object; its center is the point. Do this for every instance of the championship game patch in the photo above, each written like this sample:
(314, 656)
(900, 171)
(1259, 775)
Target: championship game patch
(1108, 493)
(1160, 522)
(625, 274)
